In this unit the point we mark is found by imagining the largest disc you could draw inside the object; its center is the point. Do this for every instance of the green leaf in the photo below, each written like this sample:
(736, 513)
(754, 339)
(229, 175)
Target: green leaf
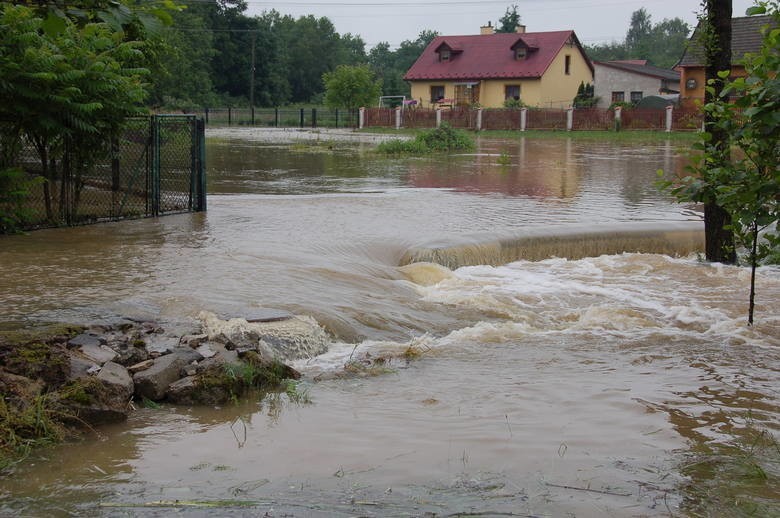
(53, 24)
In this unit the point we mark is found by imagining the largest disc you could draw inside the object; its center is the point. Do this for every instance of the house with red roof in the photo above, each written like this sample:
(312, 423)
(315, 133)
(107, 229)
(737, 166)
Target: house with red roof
(540, 69)
(746, 38)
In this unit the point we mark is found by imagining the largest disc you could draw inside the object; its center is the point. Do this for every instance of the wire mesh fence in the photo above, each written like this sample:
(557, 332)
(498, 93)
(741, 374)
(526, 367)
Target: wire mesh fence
(280, 117)
(155, 167)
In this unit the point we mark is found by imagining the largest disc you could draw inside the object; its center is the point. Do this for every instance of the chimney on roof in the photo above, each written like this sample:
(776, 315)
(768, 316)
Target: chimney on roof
(487, 29)
(520, 29)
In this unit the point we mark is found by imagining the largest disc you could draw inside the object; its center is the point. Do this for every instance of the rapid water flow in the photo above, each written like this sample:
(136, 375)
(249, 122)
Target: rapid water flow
(538, 388)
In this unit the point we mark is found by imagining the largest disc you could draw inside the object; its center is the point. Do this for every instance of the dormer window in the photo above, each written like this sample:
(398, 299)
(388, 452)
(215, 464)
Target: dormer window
(447, 51)
(522, 48)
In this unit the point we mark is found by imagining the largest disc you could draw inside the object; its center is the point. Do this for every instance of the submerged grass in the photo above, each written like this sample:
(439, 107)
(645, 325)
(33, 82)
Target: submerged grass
(737, 479)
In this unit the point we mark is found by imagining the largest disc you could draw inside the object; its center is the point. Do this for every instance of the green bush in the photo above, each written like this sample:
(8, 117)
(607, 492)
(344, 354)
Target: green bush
(15, 188)
(443, 138)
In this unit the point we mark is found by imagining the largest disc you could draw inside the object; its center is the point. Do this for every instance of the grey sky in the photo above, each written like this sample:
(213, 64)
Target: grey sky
(594, 21)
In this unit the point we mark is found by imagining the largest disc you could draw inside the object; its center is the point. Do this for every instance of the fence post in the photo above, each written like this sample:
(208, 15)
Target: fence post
(302, 116)
(479, 119)
(337, 117)
(361, 117)
(438, 117)
(230, 116)
(523, 118)
(569, 118)
(200, 128)
(276, 117)
(314, 117)
(206, 110)
(253, 115)
(669, 110)
(618, 121)
(398, 118)
(155, 172)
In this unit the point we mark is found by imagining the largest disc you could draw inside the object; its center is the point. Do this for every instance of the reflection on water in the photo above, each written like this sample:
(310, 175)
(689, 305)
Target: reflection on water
(542, 388)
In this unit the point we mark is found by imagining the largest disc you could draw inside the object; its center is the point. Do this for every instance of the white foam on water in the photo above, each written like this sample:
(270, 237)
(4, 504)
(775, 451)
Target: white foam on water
(627, 296)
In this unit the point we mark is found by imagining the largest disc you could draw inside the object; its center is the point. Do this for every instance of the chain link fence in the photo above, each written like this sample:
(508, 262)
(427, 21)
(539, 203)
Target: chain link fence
(155, 167)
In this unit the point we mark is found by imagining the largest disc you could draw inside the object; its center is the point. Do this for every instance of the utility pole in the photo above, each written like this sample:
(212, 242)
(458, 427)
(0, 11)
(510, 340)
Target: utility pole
(252, 73)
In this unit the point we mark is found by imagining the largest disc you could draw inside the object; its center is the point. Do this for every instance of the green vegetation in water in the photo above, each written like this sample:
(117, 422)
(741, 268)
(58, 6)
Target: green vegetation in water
(504, 159)
(229, 382)
(442, 139)
(25, 426)
(737, 479)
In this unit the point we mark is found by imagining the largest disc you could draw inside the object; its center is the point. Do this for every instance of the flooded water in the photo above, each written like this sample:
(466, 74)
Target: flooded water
(560, 387)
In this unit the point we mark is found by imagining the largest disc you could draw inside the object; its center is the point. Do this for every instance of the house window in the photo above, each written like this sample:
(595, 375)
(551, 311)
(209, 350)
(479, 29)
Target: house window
(437, 93)
(567, 65)
(636, 97)
(444, 55)
(520, 52)
(618, 97)
(512, 92)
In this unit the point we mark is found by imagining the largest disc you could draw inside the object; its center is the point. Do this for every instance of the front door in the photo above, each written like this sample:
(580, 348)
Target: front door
(466, 94)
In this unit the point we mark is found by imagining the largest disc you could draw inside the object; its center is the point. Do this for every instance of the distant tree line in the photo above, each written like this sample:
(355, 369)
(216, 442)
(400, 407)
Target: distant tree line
(206, 57)
(661, 44)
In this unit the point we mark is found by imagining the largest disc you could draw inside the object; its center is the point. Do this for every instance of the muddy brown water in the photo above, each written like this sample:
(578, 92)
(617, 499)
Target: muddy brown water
(543, 388)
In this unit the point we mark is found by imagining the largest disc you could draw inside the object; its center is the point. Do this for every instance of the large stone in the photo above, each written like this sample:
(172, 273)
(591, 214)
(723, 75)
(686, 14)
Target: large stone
(100, 354)
(161, 344)
(154, 381)
(80, 366)
(114, 374)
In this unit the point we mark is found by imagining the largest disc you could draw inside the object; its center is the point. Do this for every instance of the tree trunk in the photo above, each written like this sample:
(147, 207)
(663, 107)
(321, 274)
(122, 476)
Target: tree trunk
(719, 240)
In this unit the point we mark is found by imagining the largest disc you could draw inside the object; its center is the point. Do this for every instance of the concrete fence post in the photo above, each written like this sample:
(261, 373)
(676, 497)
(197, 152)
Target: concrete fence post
(438, 117)
(569, 118)
(479, 119)
(618, 120)
(361, 118)
(669, 111)
(398, 118)
(523, 118)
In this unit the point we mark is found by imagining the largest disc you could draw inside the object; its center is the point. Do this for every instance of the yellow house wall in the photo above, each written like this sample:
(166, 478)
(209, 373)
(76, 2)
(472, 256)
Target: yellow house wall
(493, 91)
(554, 90)
(558, 89)
(691, 97)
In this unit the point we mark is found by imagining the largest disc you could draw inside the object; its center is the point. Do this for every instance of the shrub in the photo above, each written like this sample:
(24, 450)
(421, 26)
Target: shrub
(15, 188)
(443, 138)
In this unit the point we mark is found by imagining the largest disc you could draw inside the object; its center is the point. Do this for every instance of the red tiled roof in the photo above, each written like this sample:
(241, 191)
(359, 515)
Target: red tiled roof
(486, 56)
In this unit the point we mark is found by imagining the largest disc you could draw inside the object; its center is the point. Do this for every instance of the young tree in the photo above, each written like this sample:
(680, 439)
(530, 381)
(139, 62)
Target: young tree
(509, 22)
(351, 87)
(750, 185)
(715, 25)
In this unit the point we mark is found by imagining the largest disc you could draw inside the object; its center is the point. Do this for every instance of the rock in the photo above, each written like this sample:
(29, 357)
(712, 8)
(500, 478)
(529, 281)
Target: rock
(114, 374)
(193, 341)
(140, 366)
(162, 344)
(100, 354)
(154, 381)
(129, 354)
(95, 401)
(86, 339)
(254, 315)
(190, 391)
(206, 350)
(80, 366)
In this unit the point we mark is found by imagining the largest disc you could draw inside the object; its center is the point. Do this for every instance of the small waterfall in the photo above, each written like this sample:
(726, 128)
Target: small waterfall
(669, 238)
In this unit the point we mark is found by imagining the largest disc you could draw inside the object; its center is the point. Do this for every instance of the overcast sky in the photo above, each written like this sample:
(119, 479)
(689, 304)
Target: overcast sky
(594, 21)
